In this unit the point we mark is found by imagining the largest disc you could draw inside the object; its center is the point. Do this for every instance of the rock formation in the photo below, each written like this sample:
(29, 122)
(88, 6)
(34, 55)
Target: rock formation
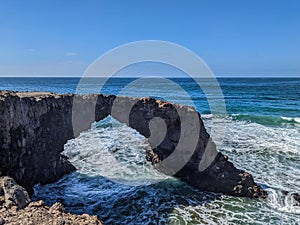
(35, 126)
(11, 194)
(16, 208)
(33, 130)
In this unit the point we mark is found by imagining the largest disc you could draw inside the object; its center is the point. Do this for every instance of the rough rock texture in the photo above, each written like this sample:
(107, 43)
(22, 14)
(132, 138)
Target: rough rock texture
(14, 198)
(37, 213)
(35, 127)
(296, 197)
(219, 175)
(12, 194)
(33, 130)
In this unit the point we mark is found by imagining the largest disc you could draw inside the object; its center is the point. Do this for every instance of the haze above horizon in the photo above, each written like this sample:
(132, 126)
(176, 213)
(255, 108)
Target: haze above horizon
(235, 38)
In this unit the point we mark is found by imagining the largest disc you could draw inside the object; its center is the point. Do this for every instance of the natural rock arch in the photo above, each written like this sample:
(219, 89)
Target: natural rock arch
(35, 127)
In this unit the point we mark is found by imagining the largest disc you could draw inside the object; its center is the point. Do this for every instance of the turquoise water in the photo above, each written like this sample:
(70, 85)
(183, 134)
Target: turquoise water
(261, 100)
(114, 180)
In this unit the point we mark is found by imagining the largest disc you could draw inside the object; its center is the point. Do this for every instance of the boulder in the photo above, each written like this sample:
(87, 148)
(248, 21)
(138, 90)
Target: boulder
(13, 194)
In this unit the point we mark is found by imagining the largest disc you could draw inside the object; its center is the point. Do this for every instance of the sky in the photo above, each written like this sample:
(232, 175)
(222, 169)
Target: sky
(235, 38)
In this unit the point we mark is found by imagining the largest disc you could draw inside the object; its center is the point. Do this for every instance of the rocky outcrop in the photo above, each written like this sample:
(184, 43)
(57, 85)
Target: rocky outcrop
(12, 194)
(183, 122)
(35, 127)
(33, 130)
(16, 208)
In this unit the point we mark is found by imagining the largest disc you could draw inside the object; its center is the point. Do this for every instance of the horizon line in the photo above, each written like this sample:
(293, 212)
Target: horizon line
(25, 76)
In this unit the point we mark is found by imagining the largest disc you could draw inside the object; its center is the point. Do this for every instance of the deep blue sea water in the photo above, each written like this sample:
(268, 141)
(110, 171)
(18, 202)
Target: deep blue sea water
(114, 180)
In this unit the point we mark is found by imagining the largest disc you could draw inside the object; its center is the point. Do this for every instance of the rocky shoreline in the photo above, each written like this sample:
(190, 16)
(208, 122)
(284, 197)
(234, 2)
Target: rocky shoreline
(16, 208)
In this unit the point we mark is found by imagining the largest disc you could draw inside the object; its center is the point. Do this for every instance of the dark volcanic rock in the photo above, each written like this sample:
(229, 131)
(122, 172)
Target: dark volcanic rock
(296, 198)
(35, 127)
(184, 133)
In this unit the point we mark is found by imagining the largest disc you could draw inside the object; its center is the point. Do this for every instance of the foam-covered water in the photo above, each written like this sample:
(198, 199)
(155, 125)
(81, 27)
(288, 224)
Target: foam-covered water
(115, 181)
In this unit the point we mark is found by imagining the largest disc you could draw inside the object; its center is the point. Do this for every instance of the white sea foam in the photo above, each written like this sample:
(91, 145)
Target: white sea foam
(271, 154)
(282, 202)
(116, 152)
(295, 119)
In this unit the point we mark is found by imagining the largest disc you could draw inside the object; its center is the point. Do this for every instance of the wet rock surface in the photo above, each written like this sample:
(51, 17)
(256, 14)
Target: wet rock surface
(35, 127)
(296, 197)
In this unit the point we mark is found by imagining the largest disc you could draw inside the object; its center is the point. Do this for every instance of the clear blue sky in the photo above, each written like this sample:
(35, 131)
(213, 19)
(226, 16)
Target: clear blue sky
(235, 38)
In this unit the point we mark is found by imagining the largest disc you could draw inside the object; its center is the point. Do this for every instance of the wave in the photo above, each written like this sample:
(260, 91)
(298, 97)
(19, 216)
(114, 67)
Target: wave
(267, 120)
(296, 119)
(282, 202)
(115, 182)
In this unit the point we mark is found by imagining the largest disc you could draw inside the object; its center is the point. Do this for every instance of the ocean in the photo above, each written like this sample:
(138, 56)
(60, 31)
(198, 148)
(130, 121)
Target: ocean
(115, 182)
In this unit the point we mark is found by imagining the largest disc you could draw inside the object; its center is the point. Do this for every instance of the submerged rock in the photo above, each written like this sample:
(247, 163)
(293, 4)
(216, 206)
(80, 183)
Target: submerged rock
(296, 198)
(35, 126)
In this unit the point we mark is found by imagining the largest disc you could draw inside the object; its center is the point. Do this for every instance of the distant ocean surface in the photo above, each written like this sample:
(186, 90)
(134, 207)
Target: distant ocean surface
(262, 137)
